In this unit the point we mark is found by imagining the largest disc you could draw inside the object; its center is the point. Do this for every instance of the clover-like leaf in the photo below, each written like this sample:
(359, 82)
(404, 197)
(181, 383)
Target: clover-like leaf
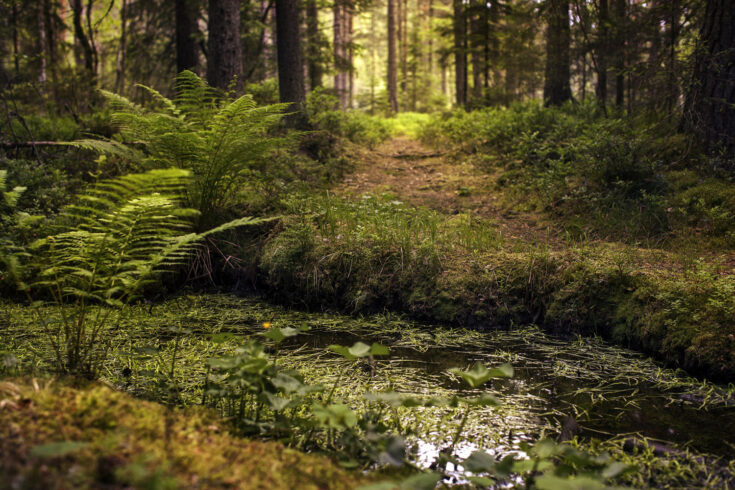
(479, 374)
(359, 350)
(479, 462)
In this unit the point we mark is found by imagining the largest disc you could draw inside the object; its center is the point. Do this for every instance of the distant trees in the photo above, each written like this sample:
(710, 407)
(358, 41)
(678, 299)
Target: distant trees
(670, 57)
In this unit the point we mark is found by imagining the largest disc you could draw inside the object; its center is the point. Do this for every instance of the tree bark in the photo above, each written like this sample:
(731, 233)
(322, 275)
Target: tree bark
(339, 52)
(404, 54)
(710, 104)
(620, 51)
(392, 58)
(224, 50)
(460, 52)
(476, 48)
(122, 49)
(602, 50)
(350, 58)
(187, 51)
(313, 62)
(557, 88)
(83, 44)
(290, 66)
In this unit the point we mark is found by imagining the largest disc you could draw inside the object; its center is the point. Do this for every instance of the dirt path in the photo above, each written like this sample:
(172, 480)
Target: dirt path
(422, 176)
(427, 177)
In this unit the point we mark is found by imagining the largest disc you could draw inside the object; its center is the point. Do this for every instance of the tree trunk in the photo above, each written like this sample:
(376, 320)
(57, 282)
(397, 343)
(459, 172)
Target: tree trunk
(430, 48)
(224, 50)
(557, 88)
(404, 55)
(602, 50)
(314, 66)
(339, 52)
(83, 46)
(476, 48)
(392, 58)
(672, 92)
(350, 59)
(290, 67)
(187, 54)
(460, 52)
(710, 105)
(42, 44)
(122, 49)
(620, 51)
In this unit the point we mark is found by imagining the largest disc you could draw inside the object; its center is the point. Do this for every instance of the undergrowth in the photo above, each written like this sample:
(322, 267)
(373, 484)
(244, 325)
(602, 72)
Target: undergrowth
(609, 177)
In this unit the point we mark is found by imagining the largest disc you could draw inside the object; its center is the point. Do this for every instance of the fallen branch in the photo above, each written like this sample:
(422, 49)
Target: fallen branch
(31, 144)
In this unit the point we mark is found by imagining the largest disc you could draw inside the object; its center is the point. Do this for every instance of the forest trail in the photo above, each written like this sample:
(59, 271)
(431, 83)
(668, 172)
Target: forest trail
(414, 173)
(428, 177)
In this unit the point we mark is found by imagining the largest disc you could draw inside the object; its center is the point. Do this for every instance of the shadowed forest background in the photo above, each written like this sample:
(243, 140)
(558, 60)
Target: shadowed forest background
(369, 244)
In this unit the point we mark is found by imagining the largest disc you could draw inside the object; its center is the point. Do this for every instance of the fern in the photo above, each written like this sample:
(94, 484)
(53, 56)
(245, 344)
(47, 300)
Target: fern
(113, 243)
(220, 141)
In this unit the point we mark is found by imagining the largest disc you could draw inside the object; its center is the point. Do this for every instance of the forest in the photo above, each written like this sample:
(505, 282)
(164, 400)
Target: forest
(367, 244)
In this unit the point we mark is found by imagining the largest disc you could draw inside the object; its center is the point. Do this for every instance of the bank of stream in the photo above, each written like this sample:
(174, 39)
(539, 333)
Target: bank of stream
(675, 428)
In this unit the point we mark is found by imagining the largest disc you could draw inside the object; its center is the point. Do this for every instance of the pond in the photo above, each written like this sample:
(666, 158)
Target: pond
(609, 398)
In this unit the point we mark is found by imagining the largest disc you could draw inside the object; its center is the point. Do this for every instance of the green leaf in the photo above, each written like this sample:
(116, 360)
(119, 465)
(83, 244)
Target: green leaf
(479, 462)
(56, 449)
(275, 402)
(481, 481)
(385, 485)
(546, 449)
(335, 416)
(359, 350)
(616, 469)
(479, 374)
(422, 481)
(277, 334)
(485, 400)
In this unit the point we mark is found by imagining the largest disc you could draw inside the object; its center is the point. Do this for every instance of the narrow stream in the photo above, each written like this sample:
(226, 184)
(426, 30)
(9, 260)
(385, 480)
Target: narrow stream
(601, 391)
(607, 396)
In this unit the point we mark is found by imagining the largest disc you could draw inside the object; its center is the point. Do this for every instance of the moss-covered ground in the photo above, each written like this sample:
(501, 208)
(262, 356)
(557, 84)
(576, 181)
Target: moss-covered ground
(60, 435)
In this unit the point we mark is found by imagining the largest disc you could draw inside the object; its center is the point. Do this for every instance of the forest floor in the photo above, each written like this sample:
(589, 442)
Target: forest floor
(411, 172)
(431, 178)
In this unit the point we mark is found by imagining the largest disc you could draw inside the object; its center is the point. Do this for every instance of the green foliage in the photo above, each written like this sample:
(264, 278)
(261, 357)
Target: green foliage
(595, 174)
(224, 143)
(109, 247)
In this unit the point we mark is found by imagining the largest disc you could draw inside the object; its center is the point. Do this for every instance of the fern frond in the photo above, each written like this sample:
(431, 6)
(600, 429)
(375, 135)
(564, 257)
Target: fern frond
(106, 147)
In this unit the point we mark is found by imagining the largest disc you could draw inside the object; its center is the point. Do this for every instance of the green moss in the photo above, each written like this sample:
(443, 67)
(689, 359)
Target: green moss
(618, 292)
(129, 443)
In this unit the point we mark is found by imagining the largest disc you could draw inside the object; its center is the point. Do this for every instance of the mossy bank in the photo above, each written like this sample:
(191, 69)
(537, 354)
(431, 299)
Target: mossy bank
(414, 262)
(57, 435)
